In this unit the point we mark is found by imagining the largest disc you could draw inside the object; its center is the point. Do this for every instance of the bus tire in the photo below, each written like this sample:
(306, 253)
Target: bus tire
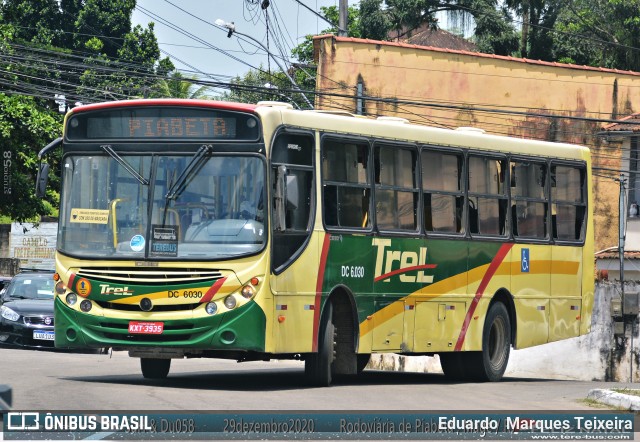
(362, 361)
(318, 367)
(155, 368)
(489, 364)
(452, 364)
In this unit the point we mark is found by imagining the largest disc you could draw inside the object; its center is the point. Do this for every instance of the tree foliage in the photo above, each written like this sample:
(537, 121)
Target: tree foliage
(599, 33)
(260, 85)
(178, 86)
(57, 52)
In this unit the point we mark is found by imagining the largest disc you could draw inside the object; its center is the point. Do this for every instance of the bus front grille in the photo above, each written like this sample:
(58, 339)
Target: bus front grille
(148, 275)
(155, 308)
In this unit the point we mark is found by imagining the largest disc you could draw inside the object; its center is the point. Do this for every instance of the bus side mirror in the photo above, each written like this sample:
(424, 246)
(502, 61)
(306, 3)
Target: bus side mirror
(280, 207)
(41, 180)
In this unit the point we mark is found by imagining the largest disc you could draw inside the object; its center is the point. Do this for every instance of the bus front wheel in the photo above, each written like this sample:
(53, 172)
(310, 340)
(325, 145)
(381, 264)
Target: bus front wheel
(318, 367)
(155, 368)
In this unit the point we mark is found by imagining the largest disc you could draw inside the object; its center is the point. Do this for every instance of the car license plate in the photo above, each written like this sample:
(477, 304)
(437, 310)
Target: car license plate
(44, 335)
(146, 328)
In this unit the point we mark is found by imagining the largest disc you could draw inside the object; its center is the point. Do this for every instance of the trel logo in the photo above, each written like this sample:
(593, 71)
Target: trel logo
(105, 289)
(23, 421)
(405, 261)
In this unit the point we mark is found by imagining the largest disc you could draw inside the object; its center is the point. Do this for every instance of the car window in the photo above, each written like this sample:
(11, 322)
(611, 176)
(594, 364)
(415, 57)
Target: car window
(31, 287)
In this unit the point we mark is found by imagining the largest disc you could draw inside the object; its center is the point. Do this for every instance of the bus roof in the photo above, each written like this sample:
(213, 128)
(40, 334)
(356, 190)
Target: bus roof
(400, 130)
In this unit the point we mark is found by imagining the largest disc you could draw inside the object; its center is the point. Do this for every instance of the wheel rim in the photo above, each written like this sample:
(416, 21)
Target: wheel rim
(497, 342)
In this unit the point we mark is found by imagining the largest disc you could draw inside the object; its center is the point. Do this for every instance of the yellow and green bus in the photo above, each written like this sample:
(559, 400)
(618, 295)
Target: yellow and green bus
(251, 232)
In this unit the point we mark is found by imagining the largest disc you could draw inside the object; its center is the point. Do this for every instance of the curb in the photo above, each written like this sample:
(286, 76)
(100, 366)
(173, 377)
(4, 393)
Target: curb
(615, 399)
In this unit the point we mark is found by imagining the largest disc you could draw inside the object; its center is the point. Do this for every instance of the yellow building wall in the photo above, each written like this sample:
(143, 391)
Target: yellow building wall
(448, 88)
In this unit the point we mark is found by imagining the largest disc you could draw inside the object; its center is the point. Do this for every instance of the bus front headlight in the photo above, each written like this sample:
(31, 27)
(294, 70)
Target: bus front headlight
(211, 308)
(86, 305)
(230, 302)
(72, 298)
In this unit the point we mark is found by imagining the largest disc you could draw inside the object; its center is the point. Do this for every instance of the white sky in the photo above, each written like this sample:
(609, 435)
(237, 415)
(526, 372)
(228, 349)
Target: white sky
(288, 19)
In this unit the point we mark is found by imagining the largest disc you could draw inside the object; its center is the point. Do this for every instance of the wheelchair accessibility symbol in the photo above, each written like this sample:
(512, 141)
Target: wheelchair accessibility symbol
(524, 260)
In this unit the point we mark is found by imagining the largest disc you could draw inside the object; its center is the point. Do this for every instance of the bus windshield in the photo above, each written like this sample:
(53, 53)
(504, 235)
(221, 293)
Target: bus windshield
(162, 207)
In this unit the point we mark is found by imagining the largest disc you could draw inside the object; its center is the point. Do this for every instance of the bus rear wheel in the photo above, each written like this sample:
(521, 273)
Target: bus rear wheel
(491, 363)
(155, 368)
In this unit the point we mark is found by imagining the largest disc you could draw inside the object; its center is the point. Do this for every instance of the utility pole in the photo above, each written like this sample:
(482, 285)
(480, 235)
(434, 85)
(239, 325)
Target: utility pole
(342, 18)
(629, 314)
(621, 236)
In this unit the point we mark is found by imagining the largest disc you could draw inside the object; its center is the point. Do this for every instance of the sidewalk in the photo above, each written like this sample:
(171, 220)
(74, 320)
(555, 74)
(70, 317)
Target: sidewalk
(615, 399)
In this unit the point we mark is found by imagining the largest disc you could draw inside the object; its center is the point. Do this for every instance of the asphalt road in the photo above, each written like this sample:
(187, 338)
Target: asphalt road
(48, 381)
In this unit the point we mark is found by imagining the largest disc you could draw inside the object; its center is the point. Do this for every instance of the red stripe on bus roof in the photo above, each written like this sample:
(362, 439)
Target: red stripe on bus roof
(493, 267)
(224, 105)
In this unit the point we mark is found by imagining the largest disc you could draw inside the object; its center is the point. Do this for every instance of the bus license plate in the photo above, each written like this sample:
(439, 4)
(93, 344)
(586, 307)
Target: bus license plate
(146, 328)
(44, 335)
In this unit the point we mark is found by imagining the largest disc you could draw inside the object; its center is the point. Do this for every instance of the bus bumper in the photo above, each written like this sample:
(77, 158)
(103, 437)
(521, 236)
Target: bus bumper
(239, 329)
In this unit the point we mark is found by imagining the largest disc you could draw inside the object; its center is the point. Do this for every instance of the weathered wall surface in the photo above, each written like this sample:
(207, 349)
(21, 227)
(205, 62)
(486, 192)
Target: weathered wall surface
(32, 245)
(595, 356)
(456, 84)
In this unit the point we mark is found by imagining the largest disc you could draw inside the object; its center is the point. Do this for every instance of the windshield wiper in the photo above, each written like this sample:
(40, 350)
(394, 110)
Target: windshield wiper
(142, 180)
(194, 165)
(178, 186)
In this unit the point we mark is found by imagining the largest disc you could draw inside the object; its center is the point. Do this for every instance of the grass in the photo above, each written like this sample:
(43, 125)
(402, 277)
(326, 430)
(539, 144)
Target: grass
(628, 391)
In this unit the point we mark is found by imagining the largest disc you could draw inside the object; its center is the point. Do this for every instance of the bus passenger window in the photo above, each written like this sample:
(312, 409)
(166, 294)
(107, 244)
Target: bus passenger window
(346, 188)
(442, 191)
(487, 196)
(529, 206)
(568, 202)
(396, 188)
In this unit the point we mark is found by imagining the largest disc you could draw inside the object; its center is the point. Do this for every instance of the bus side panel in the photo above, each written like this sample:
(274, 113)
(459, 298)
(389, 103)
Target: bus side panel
(566, 288)
(294, 301)
(435, 309)
(531, 287)
(489, 271)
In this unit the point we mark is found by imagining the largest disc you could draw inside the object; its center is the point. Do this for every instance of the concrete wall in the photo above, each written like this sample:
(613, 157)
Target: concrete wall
(595, 356)
(34, 244)
(9, 266)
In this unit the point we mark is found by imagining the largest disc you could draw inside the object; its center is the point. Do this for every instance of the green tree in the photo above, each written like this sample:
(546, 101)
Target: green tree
(373, 22)
(258, 85)
(24, 129)
(108, 20)
(178, 86)
(38, 20)
(304, 51)
(599, 33)
(44, 42)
